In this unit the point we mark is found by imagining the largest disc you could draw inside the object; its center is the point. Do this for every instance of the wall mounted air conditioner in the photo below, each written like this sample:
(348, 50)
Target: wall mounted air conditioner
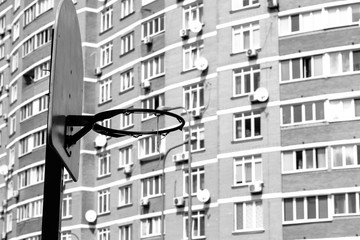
(2, 31)
(147, 40)
(273, 4)
(256, 187)
(197, 113)
(98, 71)
(251, 53)
(127, 169)
(9, 28)
(16, 193)
(144, 202)
(184, 33)
(180, 157)
(179, 201)
(146, 84)
(7, 57)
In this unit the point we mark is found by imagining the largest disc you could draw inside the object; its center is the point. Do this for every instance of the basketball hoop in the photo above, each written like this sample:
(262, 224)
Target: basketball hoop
(90, 123)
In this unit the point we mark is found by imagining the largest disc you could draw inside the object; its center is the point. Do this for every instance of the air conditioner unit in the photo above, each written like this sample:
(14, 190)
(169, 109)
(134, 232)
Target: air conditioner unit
(5, 116)
(144, 201)
(273, 4)
(16, 193)
(180, 157)
(2, 31)
(4, 202)
(251, 52)
(146, 84)
(98, 71)
(179, 201)
(197, 113)
(9, 28)
(256, 187)
(147, 40)
(3, 235)
(7, 57)
(184, 32)
(127, 169)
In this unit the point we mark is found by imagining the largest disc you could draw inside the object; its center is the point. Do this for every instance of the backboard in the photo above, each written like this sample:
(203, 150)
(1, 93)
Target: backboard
(66, 84)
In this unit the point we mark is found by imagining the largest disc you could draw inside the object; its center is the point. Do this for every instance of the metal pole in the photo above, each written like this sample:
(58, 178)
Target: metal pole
(52, 195)
(163, 190)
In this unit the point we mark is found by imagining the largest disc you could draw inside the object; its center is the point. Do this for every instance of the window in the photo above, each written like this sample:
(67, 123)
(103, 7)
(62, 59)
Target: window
(248, 169)
(43, 6)
(28, 46)
(152, 103)
(2, 51)
(66, 206)
(11, 157)
(153, 27)
(346, 203)
(345, 156)
(246, 80)
(41, 104)
(12, 124)
(194, 96)
(308, 21)
(127, 7)
(42, 71)
(342, 15)
(104, 165)
(150, 227)
(25, 145)
(151, 186)
(150, 146)
(106, 54)
(43, 37)
(238, 4)
(104, 201)
(197, 181)
(305, 209)
(302, 113)
(197, 133)
(127, 43)
(191, 53)
(31, 176)
(3, 22)
(246, 36)
(344, 61)
(106, 21)
(198, 225)
(16, 30)
(344, 109)
(16, 4)
(248, 216)
(13, 92)
(40, 138)
(26, 111)
(302, 68)
(126, 120)
(29, 14)
(125, 195)
(193, 12)
(125, 156)
(105, 90)
(247, 125)
(153, 67)
(29, 210)
(64, 236)
(103, 234)
(125, 232)
(126, 80)
(304, 159)
(9, 222)
(14, 61)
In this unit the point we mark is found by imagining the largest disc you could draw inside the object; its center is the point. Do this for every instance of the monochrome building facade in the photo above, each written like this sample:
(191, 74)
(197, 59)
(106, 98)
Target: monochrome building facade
(271, 100)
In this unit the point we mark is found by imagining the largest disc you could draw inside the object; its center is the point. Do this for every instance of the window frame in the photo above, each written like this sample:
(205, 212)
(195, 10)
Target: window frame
(304, 161)
(126, 80)
(125, 196)
(104, 164)
(192, 52)
(242, 117)
(105, 90)
(243, 161)
(198, 177)
(198, 133)
(103, 198)
(151, 187)
(252, 71)
(106, 19)
(254, 216)
(239, 41)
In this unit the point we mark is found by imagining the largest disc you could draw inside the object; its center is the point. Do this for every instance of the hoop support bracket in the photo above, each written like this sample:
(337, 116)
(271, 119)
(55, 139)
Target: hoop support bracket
(89, 122)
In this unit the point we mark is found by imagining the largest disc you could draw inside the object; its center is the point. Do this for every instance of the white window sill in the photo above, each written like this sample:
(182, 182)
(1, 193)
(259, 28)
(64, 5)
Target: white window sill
(247, 231)
(247, 139)
(304, 171)
(307, 221)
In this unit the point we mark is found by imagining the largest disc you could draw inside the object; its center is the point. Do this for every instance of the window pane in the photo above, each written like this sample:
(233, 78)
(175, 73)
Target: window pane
(318, 65)
(311, 207)
(257, 126)
(246, 42)
(307, 67)
(299, 160)
(339, 203)
(238, 85)
(351, 203)
(285, 70)
(355, 13)
(288, 209)
(295, 23)
(309, 159)
(248, 173)
(247, 127)
(337, 156)
(356, 60)
(239, 176)
(247, 82)
(319, 107)
(287, 161)
(323, 206)
(345, 61)
(297, 113)
(357, 107)
(296, 68)
(284, 25)
(334, 64)
(249, 215)
(239, 216)
(286, 110)
(308, 111)
(258, 171)
(256, 80)
(320, 158)
(299, 208)
(349, 154)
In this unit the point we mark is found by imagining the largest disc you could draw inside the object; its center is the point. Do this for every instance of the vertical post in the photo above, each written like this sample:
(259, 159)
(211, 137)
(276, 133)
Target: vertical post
(53, 184)
(190, 180)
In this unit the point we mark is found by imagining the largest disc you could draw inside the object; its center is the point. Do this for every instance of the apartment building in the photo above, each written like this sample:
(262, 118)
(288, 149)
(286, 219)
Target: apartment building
(271, 99)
